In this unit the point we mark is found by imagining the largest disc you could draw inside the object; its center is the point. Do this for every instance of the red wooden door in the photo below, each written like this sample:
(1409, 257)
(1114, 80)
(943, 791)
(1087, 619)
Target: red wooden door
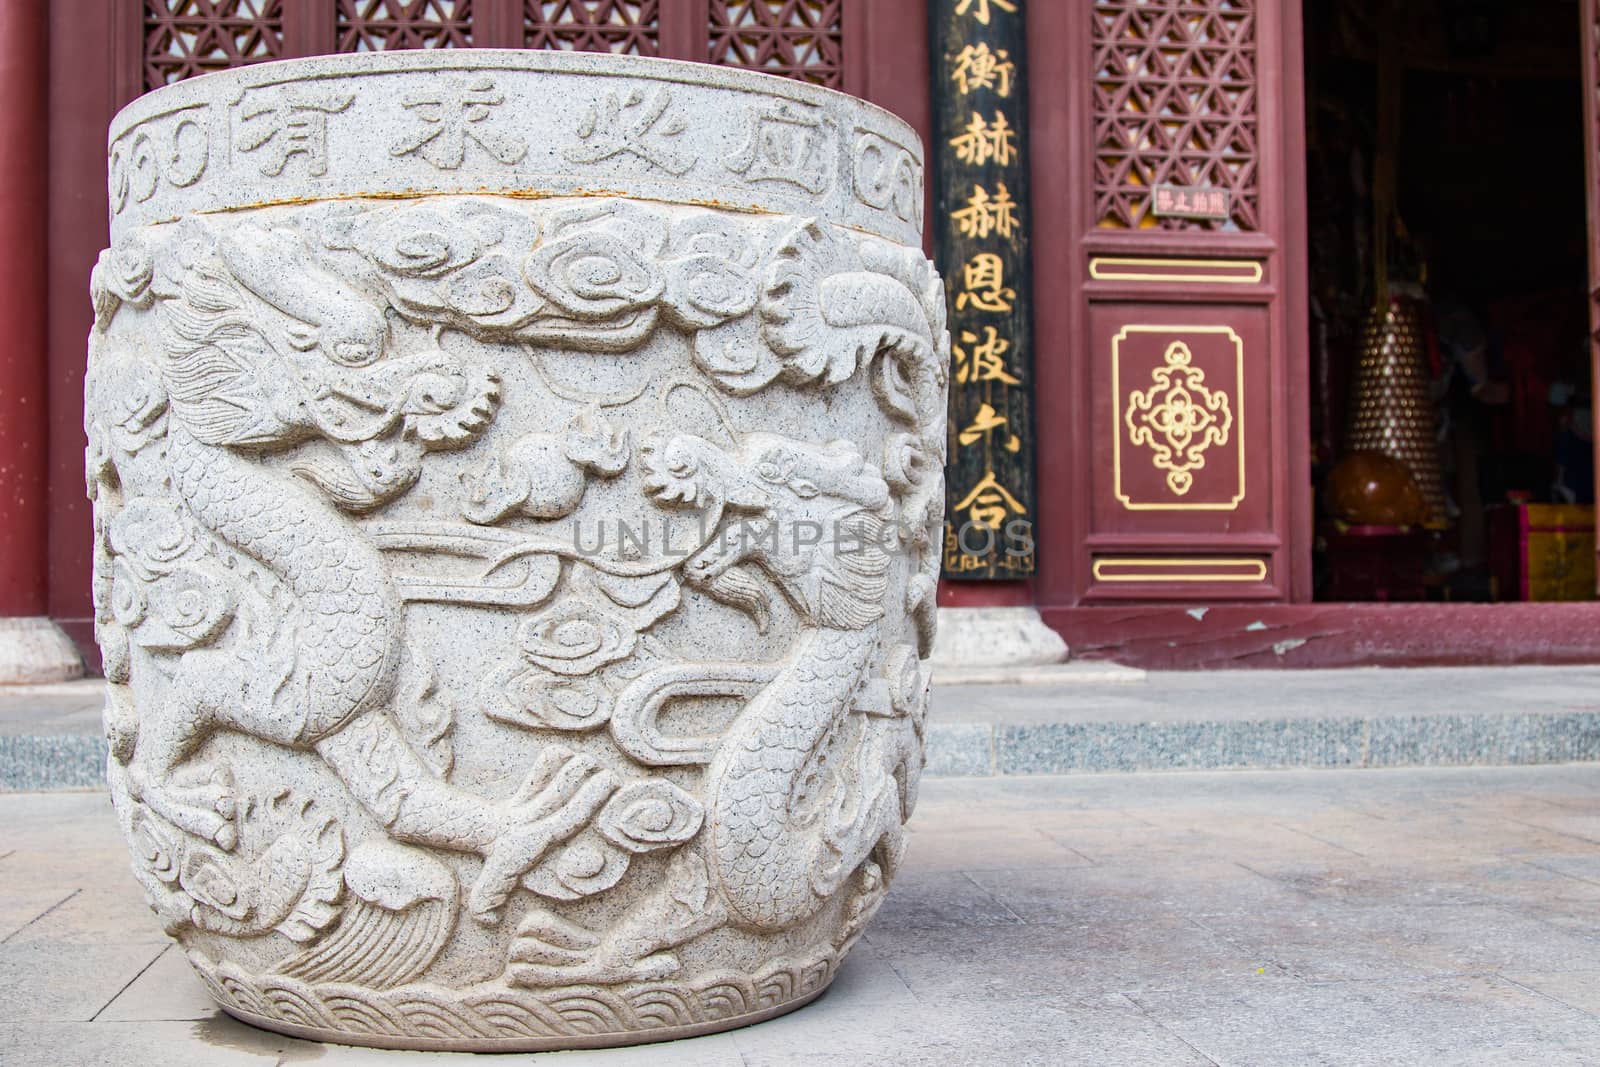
(1177, 469)
(103, 53)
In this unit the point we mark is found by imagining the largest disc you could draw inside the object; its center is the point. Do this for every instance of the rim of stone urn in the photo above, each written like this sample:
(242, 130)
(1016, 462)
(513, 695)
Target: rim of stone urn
(167, 148)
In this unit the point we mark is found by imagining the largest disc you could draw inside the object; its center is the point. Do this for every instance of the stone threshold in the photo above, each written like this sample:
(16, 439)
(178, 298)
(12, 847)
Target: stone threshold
(1074, 672)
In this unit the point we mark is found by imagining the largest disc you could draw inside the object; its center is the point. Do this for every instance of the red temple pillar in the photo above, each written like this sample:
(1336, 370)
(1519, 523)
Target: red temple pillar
(31, 647)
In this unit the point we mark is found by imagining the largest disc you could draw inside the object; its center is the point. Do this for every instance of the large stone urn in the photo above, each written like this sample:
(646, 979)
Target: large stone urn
(517, 483)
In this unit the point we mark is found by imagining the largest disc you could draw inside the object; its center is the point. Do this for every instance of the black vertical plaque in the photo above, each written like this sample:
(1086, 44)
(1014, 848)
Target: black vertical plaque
(981, 219)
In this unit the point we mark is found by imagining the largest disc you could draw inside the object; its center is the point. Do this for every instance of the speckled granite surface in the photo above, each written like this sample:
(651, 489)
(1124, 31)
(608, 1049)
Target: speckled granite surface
(68, 761)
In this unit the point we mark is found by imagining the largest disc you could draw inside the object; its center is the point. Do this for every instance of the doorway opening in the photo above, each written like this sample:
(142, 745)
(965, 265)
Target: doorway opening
(1451, 391)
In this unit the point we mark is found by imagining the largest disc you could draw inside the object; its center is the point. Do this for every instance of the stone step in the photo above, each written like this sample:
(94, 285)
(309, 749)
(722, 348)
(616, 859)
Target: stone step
(1199, 720)
(1091, 717)
(50, 736)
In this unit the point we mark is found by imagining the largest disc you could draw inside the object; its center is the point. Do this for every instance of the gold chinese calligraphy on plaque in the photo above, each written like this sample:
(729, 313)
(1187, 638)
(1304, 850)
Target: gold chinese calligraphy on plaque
(980, 178)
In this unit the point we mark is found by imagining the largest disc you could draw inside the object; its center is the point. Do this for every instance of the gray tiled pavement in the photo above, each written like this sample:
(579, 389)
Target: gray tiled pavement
(1424, 916)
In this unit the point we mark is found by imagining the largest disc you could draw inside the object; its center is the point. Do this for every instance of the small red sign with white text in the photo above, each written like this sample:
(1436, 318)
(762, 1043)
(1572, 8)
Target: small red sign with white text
(1184, 202)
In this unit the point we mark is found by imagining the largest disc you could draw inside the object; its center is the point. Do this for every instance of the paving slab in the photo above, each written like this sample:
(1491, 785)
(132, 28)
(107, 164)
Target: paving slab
(47, 981)
(61, 1044)
(167, 990)
(1468, 1020)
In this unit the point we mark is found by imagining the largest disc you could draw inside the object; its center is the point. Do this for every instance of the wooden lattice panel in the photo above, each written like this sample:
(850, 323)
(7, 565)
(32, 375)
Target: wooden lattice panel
(183, 38)
(629, 27)
(384, 25)
(1174, 104)
(801, 39)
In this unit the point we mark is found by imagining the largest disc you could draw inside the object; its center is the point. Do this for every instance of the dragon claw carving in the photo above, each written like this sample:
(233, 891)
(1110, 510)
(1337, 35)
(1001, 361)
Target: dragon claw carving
(560, 797)
(549, 950)
(198, 800)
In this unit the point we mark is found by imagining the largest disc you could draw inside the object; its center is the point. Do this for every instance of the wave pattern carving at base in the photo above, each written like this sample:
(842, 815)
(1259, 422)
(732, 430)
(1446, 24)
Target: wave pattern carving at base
(495, 1014)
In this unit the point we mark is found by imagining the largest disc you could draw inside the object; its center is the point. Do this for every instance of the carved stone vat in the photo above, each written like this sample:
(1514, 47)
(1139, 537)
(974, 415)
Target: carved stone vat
(517, 481)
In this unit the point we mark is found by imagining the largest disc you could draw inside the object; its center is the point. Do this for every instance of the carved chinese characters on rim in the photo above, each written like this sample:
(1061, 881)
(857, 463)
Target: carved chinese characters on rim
(478, 121)
(515, 609)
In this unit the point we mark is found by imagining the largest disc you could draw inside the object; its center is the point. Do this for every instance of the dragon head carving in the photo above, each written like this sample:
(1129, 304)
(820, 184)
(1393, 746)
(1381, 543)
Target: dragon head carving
(814, 518)
(320, 368)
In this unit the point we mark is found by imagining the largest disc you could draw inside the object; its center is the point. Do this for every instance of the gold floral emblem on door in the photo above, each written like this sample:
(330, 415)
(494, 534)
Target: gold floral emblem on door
(1179, 428)
(1178, 418)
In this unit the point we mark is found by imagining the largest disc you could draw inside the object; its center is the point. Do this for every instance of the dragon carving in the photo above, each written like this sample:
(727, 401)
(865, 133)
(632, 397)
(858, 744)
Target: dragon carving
(244, 457)
(323, 677)
(820, 527)
(785, 831)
